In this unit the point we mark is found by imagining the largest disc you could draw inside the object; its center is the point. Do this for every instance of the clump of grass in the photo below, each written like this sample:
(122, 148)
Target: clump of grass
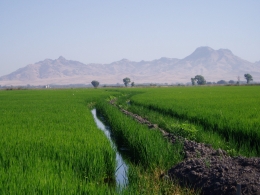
(154, 181)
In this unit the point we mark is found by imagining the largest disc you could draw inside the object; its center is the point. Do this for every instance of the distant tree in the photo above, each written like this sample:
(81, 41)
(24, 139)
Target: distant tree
(95, 83)
(133, 84)
(209, 83)
(248, 78)
(200, 80)
(221, 82)
(192, 81)
(126, 81)
(231, 82)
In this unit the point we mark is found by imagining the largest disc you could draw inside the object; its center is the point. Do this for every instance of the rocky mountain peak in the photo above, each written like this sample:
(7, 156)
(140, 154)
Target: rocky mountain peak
(61, 58)
(200, 52)
(225, 51)
(124, 60)
(203, 50)
(209, 53)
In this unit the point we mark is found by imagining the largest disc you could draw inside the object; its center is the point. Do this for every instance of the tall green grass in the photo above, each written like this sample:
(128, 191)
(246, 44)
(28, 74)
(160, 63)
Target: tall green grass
(51, 145)
(232, 112)
(147, 147)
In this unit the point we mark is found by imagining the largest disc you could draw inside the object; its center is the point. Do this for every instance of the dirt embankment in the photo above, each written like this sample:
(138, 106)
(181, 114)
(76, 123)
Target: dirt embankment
(212, 171)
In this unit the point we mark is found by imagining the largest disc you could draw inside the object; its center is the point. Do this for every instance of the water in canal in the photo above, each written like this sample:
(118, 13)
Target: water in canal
(121, 169)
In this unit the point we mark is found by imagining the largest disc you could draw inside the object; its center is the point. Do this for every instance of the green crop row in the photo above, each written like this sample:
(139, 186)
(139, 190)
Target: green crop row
(146, 147)
(232, 112)
(50, 144)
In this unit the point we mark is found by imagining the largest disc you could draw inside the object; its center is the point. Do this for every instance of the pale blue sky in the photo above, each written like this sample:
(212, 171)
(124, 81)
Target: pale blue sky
(98, 31)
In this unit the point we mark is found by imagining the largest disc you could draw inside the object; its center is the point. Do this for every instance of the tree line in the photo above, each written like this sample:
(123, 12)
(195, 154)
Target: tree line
(199, 79)
(126, 82)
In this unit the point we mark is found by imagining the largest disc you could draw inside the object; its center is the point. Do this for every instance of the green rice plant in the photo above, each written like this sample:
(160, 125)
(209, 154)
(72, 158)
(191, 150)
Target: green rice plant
(231, 112)
(146, 147)
(183, 128)
(51, 145)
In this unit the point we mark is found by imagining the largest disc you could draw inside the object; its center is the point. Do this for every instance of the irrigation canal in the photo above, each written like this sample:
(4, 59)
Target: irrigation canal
(122, 168)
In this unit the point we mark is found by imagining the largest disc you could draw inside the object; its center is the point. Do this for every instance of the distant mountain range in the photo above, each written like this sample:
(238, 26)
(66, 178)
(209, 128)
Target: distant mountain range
(213, 64)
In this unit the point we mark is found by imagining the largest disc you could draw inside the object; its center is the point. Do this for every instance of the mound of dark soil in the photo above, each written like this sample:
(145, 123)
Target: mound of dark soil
(216, 173)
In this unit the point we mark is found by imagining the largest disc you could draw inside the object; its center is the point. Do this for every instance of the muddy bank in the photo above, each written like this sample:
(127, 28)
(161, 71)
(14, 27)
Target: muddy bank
(212, 171)
(216, 173)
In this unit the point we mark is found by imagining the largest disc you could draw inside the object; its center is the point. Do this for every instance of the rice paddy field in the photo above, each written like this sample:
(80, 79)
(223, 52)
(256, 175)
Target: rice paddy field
(227, 116)
(50, 143)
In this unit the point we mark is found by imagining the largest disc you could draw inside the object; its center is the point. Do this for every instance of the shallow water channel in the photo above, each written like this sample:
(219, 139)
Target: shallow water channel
(122, 168)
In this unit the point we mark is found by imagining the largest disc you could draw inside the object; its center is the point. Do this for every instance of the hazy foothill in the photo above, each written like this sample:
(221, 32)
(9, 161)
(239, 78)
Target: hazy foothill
(213, 65)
